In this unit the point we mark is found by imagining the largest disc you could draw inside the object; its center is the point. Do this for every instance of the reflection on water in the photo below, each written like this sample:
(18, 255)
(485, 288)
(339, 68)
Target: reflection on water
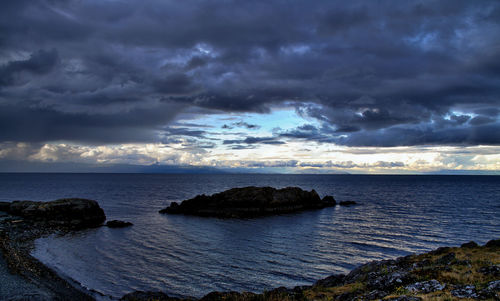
(192, 256)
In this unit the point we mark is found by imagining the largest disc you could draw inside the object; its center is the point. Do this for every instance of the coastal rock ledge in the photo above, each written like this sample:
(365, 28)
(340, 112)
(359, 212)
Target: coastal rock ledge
(72, 212)
(251, 202)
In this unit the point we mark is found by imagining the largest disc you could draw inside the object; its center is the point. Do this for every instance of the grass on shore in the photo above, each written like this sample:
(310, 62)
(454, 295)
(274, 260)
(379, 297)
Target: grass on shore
(463, 269)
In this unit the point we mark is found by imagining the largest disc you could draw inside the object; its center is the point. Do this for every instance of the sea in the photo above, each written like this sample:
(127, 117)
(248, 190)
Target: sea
(191, 256)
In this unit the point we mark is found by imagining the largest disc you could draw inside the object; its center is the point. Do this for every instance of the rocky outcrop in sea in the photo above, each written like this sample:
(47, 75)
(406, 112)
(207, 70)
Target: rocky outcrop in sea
(251, 202)
(118, 224)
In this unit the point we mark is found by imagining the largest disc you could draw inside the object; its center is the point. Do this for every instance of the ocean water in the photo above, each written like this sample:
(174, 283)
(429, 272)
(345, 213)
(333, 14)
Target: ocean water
(191, 256)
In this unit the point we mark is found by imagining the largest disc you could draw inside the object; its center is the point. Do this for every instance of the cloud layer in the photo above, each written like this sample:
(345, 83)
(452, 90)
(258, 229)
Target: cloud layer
(367, 73)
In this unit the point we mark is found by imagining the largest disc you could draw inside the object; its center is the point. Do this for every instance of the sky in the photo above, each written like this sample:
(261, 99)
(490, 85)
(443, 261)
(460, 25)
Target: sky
(383, 87)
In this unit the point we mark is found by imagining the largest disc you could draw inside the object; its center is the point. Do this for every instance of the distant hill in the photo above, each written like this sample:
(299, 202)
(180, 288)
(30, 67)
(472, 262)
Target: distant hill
(23, 166)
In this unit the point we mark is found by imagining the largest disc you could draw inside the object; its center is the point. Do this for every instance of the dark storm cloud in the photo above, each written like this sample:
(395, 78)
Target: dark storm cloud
(460, 119)
(46, 124)
(174, 84)
(180, 131)
(476, 135)
(473, 133)
(241, 124)
(307, 131)
(381, 73)
(492, 112)
(478, 120)
(39, 63)
(255, 140)
(246, 125)
(239, 147)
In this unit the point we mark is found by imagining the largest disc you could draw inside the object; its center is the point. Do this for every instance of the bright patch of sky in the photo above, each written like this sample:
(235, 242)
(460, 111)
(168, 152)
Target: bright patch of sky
(282, 117)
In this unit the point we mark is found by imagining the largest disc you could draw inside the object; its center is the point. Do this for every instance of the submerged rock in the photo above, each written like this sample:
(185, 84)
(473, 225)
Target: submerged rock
(251, 202)
(347, 203)
(118, 224)
(63, 212)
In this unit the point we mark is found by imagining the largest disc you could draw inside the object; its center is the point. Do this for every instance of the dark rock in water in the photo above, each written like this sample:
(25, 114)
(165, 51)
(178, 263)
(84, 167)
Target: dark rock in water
(493, 243)
(147, 296)
(470, 245)
(347, 203)
(118, 224)
(251, 202)
(329, 199)
(74, 212)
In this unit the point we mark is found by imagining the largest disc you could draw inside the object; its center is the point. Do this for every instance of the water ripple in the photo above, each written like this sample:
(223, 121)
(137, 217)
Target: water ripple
(191, 256)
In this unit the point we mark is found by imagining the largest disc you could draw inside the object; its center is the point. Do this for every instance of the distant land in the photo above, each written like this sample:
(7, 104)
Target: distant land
(70, 167)
(14, 166)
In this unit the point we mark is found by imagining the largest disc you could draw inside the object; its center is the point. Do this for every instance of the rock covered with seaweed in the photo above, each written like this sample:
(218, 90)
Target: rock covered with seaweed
(251, 202)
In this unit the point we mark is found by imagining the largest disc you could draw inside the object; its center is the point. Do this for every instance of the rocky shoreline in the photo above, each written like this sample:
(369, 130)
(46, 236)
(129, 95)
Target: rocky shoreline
(461, 273)
(24, 222)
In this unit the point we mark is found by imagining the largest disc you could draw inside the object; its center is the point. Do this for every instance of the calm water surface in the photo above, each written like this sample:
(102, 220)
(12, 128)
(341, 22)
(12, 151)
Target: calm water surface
(191, 256)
